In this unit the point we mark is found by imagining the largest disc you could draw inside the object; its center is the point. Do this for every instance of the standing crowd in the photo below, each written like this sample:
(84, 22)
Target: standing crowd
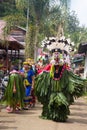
(19, 93)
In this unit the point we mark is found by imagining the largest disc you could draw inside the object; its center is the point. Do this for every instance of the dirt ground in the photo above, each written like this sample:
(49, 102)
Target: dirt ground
(30, 119)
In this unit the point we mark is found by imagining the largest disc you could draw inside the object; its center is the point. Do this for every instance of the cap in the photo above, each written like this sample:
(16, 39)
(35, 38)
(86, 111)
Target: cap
(25, 63)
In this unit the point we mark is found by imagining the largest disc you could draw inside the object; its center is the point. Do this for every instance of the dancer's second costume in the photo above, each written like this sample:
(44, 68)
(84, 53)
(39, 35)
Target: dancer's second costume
(55, 90)
(15, 90)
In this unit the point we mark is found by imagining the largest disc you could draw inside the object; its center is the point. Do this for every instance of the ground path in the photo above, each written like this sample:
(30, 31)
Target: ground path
(30, 120)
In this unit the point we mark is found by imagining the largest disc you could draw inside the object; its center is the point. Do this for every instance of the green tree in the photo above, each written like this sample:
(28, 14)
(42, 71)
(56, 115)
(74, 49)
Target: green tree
(36, 9)
(7, 7)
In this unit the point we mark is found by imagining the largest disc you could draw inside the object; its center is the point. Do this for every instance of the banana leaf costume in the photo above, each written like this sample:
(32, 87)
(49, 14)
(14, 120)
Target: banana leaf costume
(57, 91)
(15, 97)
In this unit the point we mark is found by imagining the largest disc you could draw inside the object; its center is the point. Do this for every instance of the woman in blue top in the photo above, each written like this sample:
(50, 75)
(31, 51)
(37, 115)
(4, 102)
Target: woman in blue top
(28, 82)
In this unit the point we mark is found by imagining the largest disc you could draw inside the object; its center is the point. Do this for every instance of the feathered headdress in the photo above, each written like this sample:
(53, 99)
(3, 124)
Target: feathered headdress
(54, 44)
(61, 45)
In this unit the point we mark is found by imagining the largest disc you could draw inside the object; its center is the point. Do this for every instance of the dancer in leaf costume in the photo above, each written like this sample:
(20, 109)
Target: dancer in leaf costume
(56, 88)
(15, 91)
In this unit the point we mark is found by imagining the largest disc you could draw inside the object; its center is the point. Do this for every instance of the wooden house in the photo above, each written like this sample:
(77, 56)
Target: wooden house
(83, 49)
(12, 46)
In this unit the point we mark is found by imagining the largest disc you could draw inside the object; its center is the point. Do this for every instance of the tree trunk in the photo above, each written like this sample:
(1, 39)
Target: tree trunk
(29, 48)
(35, 42)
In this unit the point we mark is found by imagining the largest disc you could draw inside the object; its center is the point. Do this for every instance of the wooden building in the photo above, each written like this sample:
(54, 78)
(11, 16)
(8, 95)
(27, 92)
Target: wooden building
(83, 49)
(11, 46)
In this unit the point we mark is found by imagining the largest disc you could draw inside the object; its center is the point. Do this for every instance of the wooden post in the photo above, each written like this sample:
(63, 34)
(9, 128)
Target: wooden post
(15, 53)
(7, 56)
(11, 54)
(18, 53)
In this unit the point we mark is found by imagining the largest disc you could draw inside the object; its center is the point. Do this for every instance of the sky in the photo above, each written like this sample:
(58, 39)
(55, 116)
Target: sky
(80, 7)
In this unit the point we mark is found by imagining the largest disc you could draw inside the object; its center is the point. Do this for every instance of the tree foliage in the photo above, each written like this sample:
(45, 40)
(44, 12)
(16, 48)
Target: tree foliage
(7, 7)
(45, 17)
